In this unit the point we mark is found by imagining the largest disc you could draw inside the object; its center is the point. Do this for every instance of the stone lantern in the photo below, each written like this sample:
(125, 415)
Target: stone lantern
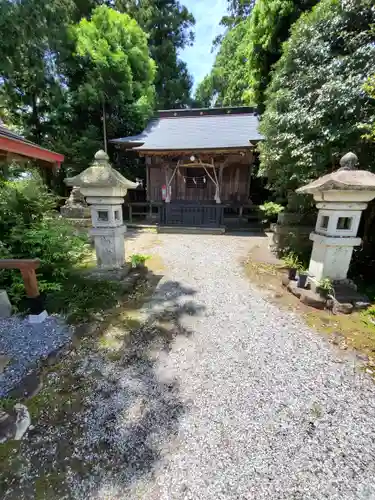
(341, 198)
(104, 189)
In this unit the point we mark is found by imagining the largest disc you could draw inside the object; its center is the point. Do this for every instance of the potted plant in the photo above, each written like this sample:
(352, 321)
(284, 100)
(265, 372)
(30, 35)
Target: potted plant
(138, 260)
(302, 277)
(325, 287)
(292, 263)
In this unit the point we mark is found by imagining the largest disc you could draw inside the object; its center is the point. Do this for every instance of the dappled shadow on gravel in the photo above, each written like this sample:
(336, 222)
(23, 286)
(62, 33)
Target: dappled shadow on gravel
(109, 411)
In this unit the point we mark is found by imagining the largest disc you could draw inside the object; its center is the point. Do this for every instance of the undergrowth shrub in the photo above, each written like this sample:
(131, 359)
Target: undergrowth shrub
(271, 210)
(30, 229)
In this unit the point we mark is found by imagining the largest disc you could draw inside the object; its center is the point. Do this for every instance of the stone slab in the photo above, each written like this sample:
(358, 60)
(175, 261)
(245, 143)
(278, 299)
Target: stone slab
(285, 280)
(75, 212)
(343, 308)
(312, 299)
(5, 305)
(4, 361)
(360, 305)
(293, 288)
(190, 230)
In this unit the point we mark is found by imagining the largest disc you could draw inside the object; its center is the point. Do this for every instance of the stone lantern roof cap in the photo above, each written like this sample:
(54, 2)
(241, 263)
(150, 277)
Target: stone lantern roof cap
(346, 178)
(100, 174)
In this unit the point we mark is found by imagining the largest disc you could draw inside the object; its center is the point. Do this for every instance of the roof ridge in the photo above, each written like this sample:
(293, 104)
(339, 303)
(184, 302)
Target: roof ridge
(203, 116)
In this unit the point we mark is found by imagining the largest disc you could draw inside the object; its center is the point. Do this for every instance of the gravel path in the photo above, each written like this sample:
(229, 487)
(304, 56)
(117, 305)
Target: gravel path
(219, 395)
(269, 409)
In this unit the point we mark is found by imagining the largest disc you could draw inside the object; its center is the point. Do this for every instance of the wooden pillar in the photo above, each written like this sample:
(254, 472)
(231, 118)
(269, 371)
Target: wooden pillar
(130, 213)
(148, 179)
(168, 197)
(250, 169)
(221, 170)
(30, 281)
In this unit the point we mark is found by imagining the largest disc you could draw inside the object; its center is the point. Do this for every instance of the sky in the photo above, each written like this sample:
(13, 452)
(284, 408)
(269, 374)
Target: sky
(199, 57)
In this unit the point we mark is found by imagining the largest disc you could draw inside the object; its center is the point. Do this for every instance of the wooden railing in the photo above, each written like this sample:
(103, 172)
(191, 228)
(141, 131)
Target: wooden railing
(27, 268)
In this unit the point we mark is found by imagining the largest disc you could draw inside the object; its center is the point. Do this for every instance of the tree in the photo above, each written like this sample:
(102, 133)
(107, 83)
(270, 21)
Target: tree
(169, 27)
(268, 27)
(226, 83)
(48, 89)
(369, 87)
(32, 34)
(316, 107)
(116, 78)
(238, 11)
(250, 47)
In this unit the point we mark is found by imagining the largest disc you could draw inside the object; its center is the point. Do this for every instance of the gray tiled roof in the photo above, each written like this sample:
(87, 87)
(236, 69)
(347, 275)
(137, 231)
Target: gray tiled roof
(191, 132)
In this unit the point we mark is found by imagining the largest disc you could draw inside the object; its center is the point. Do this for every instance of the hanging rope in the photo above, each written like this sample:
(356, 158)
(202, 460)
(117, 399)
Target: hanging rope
(195, 179)
(217, 194)
(169, 181)
(214, 180)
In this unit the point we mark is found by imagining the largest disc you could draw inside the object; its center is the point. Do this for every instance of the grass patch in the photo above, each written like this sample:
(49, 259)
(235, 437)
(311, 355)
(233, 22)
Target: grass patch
(80, 297)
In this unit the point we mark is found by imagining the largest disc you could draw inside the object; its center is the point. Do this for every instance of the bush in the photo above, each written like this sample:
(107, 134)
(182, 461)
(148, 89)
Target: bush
(271, 210)
(29, 229)
(22, 203)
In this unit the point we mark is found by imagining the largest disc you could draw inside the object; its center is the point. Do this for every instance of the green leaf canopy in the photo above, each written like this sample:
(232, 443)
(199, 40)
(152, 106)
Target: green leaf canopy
(316, 105)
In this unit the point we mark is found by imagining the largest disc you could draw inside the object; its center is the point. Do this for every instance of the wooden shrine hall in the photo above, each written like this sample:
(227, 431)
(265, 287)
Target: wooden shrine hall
(198, 164)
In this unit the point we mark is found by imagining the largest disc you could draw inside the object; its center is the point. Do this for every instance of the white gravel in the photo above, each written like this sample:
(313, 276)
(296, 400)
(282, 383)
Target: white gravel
(247, 403)
(225, 397)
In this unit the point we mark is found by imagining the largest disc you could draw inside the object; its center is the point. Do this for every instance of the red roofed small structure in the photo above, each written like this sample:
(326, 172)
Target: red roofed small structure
(14, 146)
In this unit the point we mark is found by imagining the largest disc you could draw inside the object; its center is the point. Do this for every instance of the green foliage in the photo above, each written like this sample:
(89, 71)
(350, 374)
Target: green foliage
(249, 49)
(369, 88)
(118, 74)
(292, 261)
(315, 104)
(114, 50)
(267, 28)
(238, 10)
(61, 57)
(271, 209)
(138, 259)
(22, 203)
(225, 85)
(169, 27)
(29, 230)
(31, 43)
(325, 287)
(369, 315)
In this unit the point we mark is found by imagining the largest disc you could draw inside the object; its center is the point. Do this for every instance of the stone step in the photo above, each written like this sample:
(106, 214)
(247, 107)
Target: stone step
(191, 230)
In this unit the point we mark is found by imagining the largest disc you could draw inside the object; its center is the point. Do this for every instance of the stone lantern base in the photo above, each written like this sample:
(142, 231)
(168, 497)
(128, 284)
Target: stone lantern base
(331, 256)
(109, 246)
